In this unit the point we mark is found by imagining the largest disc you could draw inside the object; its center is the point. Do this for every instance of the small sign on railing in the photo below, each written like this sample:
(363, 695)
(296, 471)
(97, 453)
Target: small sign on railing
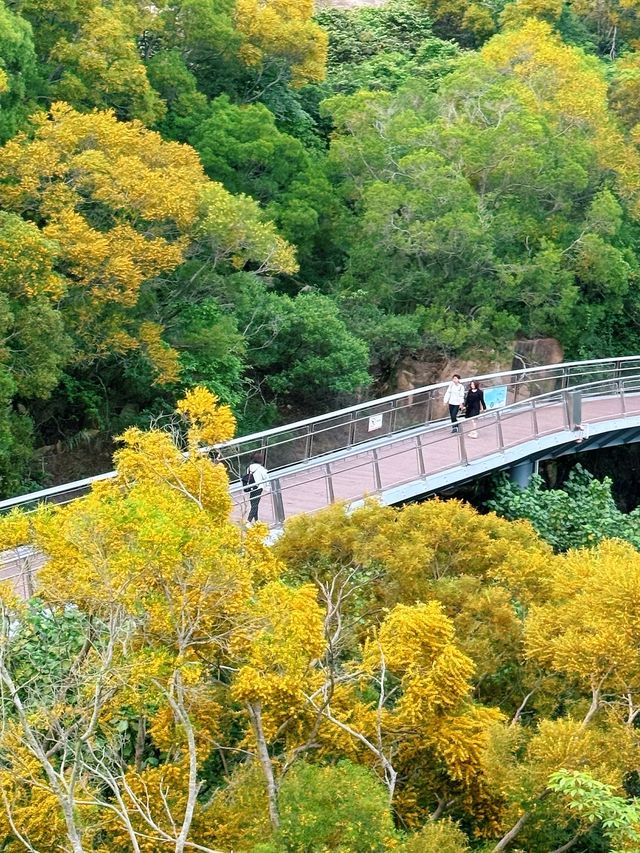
(495, 398)
(375, 422)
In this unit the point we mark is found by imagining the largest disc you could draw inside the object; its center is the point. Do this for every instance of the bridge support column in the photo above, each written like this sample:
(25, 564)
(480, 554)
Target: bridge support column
(521, 473)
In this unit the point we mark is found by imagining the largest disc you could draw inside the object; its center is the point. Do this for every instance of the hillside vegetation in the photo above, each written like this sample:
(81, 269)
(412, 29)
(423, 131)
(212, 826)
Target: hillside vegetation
(281, 207)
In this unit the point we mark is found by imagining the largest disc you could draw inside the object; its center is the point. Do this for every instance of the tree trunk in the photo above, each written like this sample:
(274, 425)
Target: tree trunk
(255, 714)
(571, 843)
(140, 742)
(506, 840)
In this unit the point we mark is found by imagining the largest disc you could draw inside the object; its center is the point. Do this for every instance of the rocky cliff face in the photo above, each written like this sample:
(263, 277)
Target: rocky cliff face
(415, 373)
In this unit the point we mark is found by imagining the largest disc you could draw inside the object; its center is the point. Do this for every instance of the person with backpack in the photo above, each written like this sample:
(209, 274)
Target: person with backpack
(255, 482)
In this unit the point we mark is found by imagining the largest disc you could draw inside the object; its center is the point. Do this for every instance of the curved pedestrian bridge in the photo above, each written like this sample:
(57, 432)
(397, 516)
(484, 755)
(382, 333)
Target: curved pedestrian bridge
(402, 446)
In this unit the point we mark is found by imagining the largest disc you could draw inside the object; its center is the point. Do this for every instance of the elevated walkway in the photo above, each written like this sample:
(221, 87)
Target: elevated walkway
(401, 446)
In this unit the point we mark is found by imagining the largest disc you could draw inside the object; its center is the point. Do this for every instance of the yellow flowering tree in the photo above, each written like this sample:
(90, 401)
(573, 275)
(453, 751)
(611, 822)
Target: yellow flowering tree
(584, 633)
(569, 90)
(100, 65)
(279, 654)
(146, 582)
(283, 31)
(178, 684)
(502, 620)
(420, 729)
(122, 207)
(484, 571)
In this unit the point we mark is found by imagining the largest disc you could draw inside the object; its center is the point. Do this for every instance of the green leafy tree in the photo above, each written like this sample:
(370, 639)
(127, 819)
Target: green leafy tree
(18, 77)
(595, 801)
(579, 515)
(487, 208)
(34, 344)
(300, 348)
(241, 146)
(342, 807)
(203, 35)
(212, 351)
(362, 33)
(186, 105)
(382, 48)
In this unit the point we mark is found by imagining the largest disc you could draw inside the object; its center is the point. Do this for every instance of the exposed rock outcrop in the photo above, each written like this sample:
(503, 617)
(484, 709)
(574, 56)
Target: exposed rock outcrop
(414, 372)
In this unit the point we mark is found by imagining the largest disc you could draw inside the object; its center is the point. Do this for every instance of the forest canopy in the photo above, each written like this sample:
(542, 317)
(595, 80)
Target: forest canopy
(221, 214)
(281, 203)
(412, 679)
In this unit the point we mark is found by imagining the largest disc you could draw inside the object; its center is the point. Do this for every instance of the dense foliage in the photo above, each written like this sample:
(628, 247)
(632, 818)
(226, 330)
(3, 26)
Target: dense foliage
(281, 207)
(253, 210)
(579, 515)
(415, 679)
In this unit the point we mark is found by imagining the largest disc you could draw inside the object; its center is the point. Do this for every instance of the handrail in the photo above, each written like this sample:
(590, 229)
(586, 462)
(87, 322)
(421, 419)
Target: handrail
(416, 461)
(501, 414)
(422, 389)
(42, 494)
(558, 403)
(560, 371)
(314, 434)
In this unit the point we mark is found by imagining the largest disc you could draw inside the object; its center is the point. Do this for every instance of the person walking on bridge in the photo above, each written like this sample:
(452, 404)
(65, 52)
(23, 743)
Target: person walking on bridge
(473, 402)
(257, 482)
(454, 396)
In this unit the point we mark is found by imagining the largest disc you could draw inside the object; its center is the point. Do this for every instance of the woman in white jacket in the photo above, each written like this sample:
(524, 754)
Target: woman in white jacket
(454, 396)
(259, 484)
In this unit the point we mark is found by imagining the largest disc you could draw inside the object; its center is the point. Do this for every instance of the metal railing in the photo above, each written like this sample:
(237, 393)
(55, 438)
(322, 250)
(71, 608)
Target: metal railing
(324, 435)
(325, 438)
(414, 455)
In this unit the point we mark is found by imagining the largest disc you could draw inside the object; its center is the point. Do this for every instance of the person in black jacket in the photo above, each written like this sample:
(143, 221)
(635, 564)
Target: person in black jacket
(473, 403)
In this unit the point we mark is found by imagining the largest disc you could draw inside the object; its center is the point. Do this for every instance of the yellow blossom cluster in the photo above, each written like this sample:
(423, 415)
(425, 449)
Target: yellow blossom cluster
(283, 30)
(118, 207)
(210, 422)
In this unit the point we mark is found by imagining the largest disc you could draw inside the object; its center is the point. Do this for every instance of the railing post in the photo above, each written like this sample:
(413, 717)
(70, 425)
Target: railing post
(463, 449)
(623, 400)
(427, 418)
(574, 409)
(392, 417)
(536, 431)
(376, 471)
(420, 455)
(565, 409)
(307, 442)
(499, 430)
(278, 503)
(352, 430)
(331, 498)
